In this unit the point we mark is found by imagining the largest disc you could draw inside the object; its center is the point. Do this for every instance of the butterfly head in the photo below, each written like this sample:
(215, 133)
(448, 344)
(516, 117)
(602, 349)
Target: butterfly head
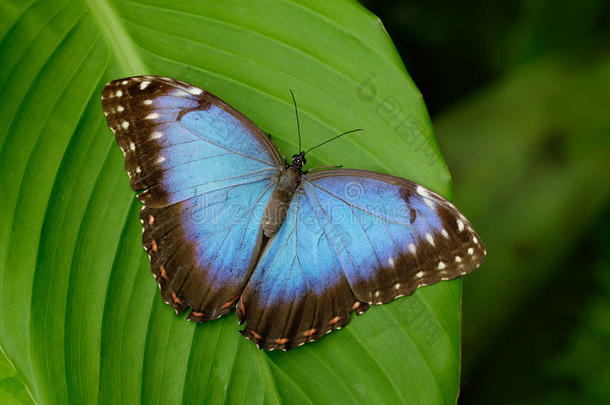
(298, 160)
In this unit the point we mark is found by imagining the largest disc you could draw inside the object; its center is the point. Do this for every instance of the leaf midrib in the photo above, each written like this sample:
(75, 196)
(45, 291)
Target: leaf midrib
(121, 44)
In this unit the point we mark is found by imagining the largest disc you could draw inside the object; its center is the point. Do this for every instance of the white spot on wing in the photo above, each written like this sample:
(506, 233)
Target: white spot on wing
(147, 102)
(120, 108)
(419, 274)
(161, 159)
(458, 259)
(441, 265)
(119, 93)
(125, 124)
(397, 286)
(460, 225)
(132, 146)
(144, 84)
(412, 248)
(391, 262)
(444, 233)
(195, 90)
(152, 116)
(475, 240)
(429, 238)
(422, 191)
(156, 135)
(470, 251)
(124, 82)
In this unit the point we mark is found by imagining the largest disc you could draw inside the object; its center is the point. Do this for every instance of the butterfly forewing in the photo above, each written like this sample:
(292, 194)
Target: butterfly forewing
(204, 173)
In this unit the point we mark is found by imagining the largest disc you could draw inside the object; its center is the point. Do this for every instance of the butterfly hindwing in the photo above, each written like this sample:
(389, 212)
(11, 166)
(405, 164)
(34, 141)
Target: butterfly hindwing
(204, 173)
(368, 238)
(298, 292)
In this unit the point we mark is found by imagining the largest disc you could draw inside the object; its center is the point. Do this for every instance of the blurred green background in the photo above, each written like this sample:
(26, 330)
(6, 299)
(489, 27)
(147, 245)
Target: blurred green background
(519, 97)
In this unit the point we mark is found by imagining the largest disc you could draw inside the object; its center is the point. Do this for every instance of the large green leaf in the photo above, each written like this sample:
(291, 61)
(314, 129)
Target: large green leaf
(80, 315)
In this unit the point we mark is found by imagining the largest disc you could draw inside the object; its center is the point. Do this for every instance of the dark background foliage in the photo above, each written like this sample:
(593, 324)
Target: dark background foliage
(517, 93)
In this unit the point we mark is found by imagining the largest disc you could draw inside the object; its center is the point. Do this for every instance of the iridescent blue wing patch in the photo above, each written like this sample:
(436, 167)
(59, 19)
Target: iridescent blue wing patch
(204, 173)
(352, 238)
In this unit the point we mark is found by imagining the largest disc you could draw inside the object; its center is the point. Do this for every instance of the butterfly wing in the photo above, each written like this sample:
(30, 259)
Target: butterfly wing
(352, 238)
(204, 173)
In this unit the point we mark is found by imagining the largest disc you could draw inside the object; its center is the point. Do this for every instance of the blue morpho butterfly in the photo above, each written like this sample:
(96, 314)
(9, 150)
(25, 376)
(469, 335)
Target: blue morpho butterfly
(227, 222)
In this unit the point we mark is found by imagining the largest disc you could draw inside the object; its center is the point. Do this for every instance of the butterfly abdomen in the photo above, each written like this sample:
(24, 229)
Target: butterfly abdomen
(275, 211)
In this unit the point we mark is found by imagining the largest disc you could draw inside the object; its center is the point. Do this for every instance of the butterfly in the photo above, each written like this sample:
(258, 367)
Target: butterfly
(229, 223)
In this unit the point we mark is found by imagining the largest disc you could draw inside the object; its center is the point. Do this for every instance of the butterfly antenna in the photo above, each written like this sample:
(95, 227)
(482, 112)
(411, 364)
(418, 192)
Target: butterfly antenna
(296, 112)
(332, 139)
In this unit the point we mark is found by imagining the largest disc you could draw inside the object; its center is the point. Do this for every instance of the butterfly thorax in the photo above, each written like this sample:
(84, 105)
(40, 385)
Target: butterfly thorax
(287, 183)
